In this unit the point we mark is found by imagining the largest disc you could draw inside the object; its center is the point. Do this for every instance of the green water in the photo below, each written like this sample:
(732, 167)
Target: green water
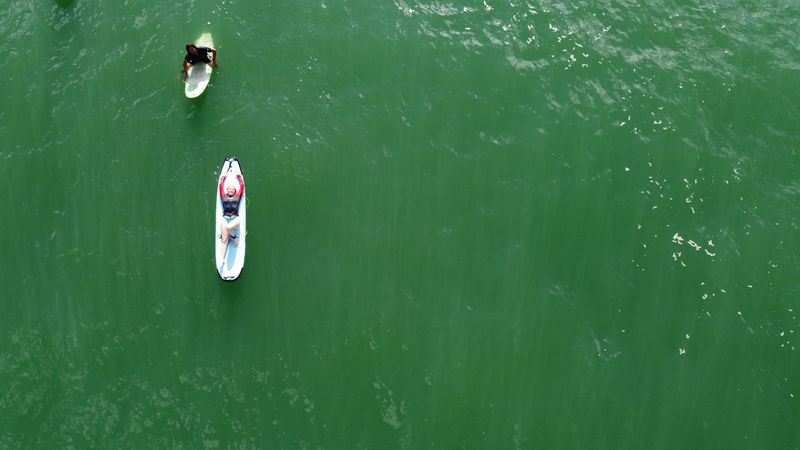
(471, 225)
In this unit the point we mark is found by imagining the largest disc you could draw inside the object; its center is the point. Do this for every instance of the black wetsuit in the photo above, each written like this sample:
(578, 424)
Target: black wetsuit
(204, 55)
(230, 207)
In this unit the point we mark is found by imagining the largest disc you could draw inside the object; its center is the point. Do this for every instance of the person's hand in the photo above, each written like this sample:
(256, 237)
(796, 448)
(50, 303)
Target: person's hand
(214, 63)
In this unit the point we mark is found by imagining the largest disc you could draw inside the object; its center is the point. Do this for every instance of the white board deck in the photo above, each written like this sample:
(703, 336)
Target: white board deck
(198, 75)
(231, 264)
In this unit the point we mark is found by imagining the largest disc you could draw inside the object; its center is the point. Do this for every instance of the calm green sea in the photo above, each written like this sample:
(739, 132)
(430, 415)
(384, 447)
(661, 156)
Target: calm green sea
(472, 225)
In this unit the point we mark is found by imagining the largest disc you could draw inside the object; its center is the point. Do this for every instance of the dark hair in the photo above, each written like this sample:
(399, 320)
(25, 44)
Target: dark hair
(190, 45)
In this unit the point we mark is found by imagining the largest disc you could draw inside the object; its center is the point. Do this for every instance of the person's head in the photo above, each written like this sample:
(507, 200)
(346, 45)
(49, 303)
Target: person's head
(230, 190)
(191, 49)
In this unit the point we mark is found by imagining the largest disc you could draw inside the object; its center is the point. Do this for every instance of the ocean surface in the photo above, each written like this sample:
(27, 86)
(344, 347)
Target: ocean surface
(472, 225)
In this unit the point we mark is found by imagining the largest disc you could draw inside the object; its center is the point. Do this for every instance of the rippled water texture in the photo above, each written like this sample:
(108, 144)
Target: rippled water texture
(470, 225)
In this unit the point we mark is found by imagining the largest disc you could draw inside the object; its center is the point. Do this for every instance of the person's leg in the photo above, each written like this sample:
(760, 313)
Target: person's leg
(232, 226)
(224, 232)
(223, 237)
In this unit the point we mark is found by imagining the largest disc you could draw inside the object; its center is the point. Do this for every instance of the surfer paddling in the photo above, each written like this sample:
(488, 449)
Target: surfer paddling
(195, 54)
(230, 193)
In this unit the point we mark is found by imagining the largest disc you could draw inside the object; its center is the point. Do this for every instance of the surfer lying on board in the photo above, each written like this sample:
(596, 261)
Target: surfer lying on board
(229, 196)
(195, 54)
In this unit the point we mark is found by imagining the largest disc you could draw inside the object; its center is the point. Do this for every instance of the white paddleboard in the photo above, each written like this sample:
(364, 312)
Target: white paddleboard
(198, 75)
(230, 261)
